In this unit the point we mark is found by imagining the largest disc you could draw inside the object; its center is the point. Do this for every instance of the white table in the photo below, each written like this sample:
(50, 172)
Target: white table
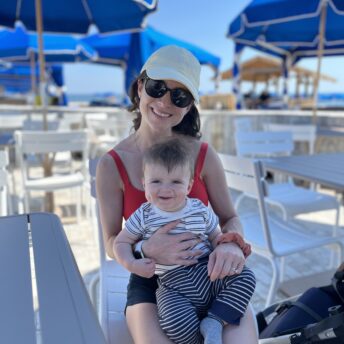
(35, 254)
(326, 169)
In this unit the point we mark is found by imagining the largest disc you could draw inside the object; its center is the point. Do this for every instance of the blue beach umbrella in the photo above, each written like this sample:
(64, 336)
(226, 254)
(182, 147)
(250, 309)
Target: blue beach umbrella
(292, 29)
(76, 16)
(16, 79)
(20, 46)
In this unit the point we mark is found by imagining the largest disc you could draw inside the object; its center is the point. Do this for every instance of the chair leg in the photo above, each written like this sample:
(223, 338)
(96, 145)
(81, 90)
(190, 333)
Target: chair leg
(27, 202)
(334, 234)
(92, 290)
(274, 282)
(78, 205)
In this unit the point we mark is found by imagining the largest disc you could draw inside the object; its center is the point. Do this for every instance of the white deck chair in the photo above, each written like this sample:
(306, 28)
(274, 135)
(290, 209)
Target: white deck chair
(242, 124)
(45, 142)
(106, 133)
(300, 132)
(62, 159)
(289, 198)
(113, 280)
(270, 238)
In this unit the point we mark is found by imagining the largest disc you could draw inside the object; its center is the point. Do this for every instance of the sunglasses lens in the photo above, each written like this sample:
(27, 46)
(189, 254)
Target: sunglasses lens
(181, 98)
(157, 89)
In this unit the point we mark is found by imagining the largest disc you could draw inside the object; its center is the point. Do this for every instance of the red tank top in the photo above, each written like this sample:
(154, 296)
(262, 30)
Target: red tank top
(133, 197)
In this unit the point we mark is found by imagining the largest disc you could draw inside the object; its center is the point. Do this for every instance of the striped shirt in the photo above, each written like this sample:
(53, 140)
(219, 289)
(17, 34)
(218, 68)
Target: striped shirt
(195, 217)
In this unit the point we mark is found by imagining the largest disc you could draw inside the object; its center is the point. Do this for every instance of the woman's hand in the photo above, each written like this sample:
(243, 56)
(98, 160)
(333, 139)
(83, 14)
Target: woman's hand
(171, 249)
(226, 259)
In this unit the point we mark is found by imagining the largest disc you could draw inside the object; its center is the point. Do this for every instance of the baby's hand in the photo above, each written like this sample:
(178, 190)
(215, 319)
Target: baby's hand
(144, 267)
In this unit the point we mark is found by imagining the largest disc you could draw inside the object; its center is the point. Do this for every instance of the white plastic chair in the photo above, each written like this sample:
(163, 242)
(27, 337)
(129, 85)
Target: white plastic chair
(41, 143)
(112, 280)
(61, 159)
(106, 133)
(300, 132)
(289, 198)
(242, 124)
(270, 238)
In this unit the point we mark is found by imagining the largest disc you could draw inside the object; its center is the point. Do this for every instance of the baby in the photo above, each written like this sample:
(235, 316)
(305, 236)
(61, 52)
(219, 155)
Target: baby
(189, 303)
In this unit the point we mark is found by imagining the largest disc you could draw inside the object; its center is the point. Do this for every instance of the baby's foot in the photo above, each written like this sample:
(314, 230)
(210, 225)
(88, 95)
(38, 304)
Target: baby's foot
(211, 330)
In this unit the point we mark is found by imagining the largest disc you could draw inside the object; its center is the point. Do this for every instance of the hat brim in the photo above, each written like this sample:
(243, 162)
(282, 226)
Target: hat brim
(159, 73)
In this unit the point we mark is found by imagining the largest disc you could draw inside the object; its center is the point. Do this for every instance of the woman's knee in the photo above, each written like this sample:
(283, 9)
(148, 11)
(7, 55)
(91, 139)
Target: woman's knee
(142, 320)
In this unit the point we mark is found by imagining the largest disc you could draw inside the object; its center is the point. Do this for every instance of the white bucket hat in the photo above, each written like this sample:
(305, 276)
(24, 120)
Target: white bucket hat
(175, 63)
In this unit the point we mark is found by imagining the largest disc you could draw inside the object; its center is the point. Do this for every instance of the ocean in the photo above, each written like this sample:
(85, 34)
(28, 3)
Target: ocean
(331, 100)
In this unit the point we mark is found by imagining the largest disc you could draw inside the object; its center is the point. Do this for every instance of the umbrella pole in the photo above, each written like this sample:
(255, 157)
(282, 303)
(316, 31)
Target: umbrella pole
(47, 163)
(33, 76)
(320, 54)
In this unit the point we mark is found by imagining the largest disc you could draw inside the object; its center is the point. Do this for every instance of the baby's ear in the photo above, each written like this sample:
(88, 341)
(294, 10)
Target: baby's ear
(143, 183)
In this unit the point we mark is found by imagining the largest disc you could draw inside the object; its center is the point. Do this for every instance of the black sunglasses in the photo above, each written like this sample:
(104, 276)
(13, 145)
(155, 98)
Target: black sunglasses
(157, 89)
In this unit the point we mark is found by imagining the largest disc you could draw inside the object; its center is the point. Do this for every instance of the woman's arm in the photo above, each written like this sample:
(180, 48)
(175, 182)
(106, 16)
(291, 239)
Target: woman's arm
(110, 200)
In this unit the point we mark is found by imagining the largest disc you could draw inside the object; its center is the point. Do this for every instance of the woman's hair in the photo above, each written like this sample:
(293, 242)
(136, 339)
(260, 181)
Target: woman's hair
(190, 125)
(169, 154)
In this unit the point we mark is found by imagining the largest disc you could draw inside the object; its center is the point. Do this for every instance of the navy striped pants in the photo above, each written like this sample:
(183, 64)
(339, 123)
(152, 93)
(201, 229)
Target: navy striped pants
(186, 295)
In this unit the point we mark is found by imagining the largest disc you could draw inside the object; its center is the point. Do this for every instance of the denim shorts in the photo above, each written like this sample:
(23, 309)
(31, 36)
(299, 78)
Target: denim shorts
(141, 290)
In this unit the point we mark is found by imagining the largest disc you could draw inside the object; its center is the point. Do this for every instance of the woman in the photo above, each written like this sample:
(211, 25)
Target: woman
(163, 98)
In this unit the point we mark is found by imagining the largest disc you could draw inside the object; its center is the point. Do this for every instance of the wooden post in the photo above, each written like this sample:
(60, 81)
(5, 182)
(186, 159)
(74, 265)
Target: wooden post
(47, 163)
(320, 54)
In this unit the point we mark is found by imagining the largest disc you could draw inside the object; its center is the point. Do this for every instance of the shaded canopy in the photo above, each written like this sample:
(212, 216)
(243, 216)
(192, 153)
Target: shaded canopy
(18, 78)
(262, 69)
(76, 16)
(132, 50)
(18, 45)
(290, 27)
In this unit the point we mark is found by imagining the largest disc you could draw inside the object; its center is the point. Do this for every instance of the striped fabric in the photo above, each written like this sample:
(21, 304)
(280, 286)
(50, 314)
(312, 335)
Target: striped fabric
(186, 295)
(195, 217)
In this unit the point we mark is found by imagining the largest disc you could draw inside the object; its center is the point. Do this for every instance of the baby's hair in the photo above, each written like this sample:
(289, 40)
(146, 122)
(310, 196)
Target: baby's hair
(169, 154)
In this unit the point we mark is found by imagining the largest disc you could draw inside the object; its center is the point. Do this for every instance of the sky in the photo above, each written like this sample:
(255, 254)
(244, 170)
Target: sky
(201, 22)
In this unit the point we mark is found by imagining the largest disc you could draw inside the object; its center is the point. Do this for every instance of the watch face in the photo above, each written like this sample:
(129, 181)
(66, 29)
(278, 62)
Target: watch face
(137, 255)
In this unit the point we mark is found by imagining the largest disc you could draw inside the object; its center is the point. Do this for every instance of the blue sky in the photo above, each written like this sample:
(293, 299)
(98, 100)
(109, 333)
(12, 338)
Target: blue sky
(201, 22)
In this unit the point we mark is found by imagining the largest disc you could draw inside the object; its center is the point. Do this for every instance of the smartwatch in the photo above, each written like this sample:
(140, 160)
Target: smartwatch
(138, 253)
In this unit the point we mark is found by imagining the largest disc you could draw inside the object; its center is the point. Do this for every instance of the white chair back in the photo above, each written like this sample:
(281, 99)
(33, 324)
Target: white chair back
(11, 122)
(300, 132)
(270, 237)
(42, 142)
(247, 175)
(113, 280)
(263, 143)
(112, 127)
(38, 125)
(96, 115)
(243, 124)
